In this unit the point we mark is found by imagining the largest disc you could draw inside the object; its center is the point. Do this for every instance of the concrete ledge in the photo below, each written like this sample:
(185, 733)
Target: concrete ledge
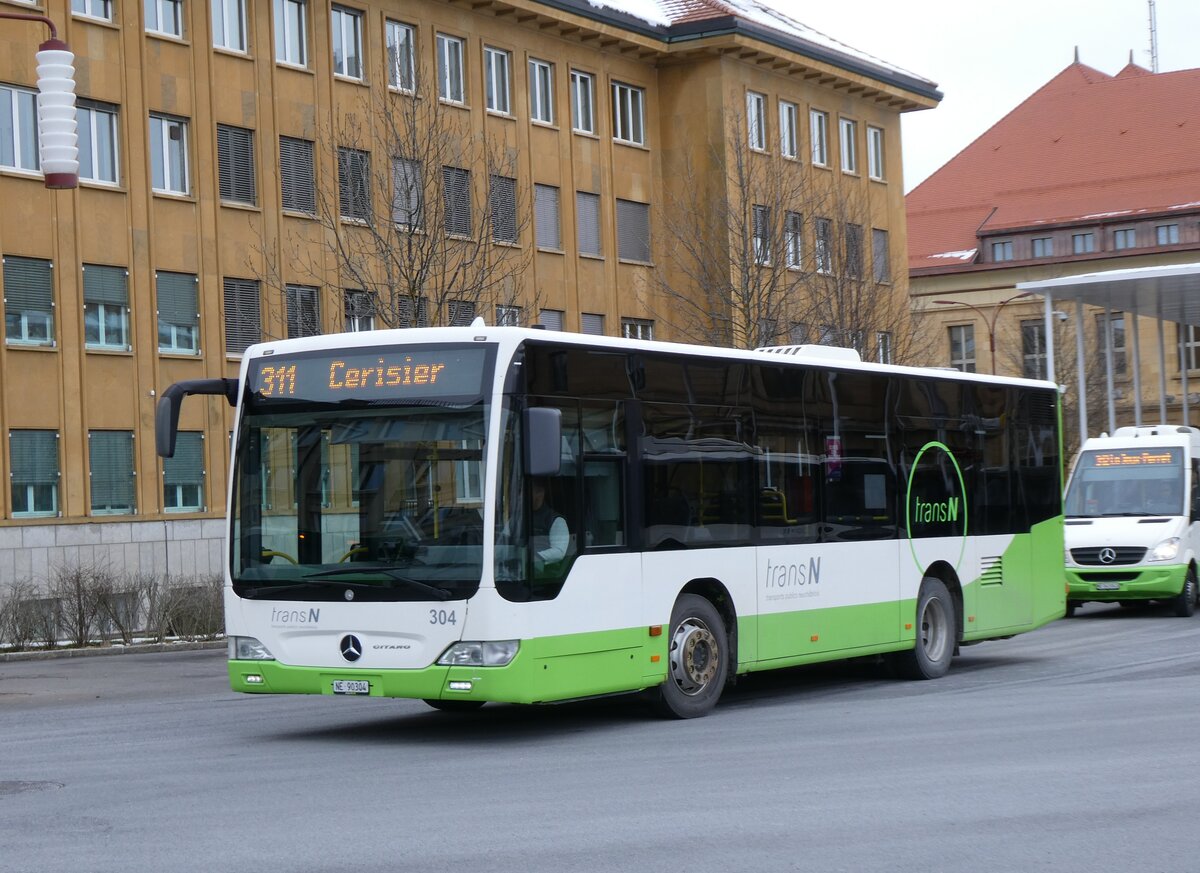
(137, 649)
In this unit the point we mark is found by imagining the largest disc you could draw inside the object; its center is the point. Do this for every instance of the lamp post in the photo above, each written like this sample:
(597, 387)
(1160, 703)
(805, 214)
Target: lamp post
(989, 321)
(58, 142)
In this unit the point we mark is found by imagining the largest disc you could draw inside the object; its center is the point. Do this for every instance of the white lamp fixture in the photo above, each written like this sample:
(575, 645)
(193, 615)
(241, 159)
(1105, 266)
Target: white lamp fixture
(56, 114)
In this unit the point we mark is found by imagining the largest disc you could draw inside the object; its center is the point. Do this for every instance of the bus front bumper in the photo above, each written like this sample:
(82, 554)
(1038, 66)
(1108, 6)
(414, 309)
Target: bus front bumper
(1126, 583)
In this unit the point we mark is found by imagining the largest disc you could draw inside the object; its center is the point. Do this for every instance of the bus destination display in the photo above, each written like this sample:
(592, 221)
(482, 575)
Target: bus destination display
(371, 375)
(1120, 458)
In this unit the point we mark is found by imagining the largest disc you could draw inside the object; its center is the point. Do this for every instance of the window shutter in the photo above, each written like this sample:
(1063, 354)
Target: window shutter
(407, 192)
(633, 231)
(593, 324)
(503, 196)
(34, 456)
(28, 284)
(303, 312)
(354, 195)
(406, 312)
(296, 174)
(456, 193)
(235, 160)
(549, 232)
(177, 298)
(587, 214)
(552, 319)
(461, 312)
(111, 455)
(187, 466)
(243, 315)
(105, 285)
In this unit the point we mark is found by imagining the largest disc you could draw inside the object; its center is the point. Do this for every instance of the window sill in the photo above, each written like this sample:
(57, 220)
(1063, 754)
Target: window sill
(178, 39)
(239, 54)
(22, 173)
(180, 355)
(454, 104)
(879, 179)
(296, 213)
(545, 125)
(351, 80)
(100, 185)
(586, 134)
(592, 256)
(299, 68)
(826, 167)
(551, 250)
(396, 89)
(795, 159)
(109, 351)
(853, 173)
(92, 19)
(501, 116)
(354, 222)
(632, 263)
(632, 145)
(181, 197)
(24, 346)
(244, 207)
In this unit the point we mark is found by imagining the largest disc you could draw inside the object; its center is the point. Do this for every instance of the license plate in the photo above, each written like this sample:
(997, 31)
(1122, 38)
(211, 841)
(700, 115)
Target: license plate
(351, 686)
(1108, 586)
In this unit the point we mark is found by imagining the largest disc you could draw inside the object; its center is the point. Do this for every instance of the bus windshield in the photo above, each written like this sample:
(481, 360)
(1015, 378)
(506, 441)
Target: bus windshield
(1126, 482)
(359, 498)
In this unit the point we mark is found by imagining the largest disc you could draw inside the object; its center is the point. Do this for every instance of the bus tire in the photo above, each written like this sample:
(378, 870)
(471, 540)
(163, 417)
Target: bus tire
(1185, 602)
(1071, 607)
(936, 623)
(697, 660)
(455, 705)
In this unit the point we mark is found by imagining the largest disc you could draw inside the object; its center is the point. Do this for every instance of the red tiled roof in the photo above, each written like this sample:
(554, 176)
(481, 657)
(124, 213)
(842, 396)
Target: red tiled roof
(1084, 146)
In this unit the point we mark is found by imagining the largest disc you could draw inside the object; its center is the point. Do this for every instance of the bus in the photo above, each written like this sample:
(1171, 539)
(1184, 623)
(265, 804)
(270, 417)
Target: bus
(714, 512)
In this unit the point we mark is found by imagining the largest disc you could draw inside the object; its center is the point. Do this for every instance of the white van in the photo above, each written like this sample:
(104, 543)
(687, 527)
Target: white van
(1133, 518)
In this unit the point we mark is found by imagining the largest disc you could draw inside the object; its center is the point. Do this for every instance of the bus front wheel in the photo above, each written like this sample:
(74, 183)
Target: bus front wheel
(930, 657)
(697, 659)
(1185, 603)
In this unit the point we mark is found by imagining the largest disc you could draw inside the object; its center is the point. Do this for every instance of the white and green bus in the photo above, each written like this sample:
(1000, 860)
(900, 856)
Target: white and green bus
(474, 514)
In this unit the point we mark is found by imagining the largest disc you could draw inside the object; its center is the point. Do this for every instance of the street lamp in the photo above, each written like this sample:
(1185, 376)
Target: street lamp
(58, 142)
(990, 321)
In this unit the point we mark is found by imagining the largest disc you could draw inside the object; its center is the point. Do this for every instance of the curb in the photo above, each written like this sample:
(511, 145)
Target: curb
(147, 649)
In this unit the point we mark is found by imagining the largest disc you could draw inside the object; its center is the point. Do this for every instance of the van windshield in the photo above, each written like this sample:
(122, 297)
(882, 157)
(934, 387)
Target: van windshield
(1127, 482)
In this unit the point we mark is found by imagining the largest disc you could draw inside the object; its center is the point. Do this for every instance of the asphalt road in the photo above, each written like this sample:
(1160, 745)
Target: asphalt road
(1073, 748)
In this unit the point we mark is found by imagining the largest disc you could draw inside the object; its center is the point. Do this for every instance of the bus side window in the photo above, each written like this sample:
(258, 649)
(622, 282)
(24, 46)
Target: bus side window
(1194, 502)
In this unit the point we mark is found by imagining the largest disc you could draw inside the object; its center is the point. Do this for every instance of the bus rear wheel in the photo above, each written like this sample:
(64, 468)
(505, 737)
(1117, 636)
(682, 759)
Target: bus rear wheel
(697, 660)
(936, 629)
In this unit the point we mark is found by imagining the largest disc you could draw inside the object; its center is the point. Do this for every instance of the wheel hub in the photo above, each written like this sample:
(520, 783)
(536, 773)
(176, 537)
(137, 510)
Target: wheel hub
(694, 656)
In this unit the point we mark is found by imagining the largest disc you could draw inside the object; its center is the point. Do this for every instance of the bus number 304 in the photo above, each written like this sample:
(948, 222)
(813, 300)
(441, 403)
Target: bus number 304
(442, 616)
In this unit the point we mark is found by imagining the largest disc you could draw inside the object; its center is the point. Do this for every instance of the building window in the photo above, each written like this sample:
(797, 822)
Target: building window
(407, 318)
(883, 347)
(1124, 239)
(296, 175)
(496, 87)
(168, 154)
(33, 459)
(881, 255)
(97, 128)
(303, 311)
(93, 8)
(854, 251)
(402, 53)
(178, 313)
(583, 99)
(18, 129)
(818, 132)
(105, 307)
(111, 472)
(788, 138)
(346, 27)
(592, 323)
(360, 310)
(1002, 251)
(503, 196)
(1166, 234)
(456, 200)
(408, 193)
(824, 249)
(637, 328)
(1118, 342)
(229, 24)
(793, 239)
(551, 319)
(962, 347)
(354, 184)
(633, 231)
(541, 91)
(1189, 338)
(291, 32)
(548, 227)
(848, 140)
(28, 301)
(628, 114)
(756, 120)
(1082, 243)
(875, 154)
(450, 69)
(460, 313)
(1033, 349)
(183, 474)
(508, 316)
(235, 164)
(243, 315)
(761, 220)
(165, 17)
(587, 217)
(1043, 247)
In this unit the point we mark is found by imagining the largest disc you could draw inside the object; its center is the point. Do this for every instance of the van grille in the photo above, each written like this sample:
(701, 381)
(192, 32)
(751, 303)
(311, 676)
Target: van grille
(1124, 555)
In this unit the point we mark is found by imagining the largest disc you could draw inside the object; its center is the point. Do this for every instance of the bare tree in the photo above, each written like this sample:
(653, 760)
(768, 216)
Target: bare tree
(426, 224)
(775, 251)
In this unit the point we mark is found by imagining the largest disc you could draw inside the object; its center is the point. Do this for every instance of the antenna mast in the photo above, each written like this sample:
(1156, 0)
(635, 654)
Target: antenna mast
(1153, 39)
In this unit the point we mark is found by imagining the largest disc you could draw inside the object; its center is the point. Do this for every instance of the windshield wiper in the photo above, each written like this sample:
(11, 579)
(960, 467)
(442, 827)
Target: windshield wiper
(396, 575)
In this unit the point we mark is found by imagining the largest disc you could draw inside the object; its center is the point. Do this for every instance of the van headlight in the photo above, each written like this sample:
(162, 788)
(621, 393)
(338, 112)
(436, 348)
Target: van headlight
(491, 653)
(248, 649)
(1167, 550)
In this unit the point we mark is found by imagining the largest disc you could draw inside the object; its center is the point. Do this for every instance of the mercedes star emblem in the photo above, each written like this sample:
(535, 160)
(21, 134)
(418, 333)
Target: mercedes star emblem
(1108, 555)
(351, 647)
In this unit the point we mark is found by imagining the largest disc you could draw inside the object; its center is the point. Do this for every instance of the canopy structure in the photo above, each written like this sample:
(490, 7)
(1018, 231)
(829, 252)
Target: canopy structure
(1162, 293)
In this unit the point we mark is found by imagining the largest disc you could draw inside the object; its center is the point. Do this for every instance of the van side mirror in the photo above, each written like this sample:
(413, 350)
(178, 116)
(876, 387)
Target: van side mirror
(543, 441)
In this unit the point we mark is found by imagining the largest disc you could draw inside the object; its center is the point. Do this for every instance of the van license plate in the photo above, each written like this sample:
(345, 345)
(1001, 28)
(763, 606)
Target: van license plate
(351, 686)
(1108, 586)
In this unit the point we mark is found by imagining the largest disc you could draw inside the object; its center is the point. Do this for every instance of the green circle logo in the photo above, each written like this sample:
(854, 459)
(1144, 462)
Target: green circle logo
(933, 506)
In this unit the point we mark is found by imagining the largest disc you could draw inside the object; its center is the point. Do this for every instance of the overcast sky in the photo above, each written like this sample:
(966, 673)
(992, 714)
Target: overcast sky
(987, 58)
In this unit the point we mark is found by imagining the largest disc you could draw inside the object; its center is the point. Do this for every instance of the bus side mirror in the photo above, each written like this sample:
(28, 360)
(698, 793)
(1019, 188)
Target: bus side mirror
(166, 414)
(543, 441)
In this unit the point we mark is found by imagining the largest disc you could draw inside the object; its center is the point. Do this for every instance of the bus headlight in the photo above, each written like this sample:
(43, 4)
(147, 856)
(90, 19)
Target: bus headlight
(248, 649)
(490, 653)
(1167, 550)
